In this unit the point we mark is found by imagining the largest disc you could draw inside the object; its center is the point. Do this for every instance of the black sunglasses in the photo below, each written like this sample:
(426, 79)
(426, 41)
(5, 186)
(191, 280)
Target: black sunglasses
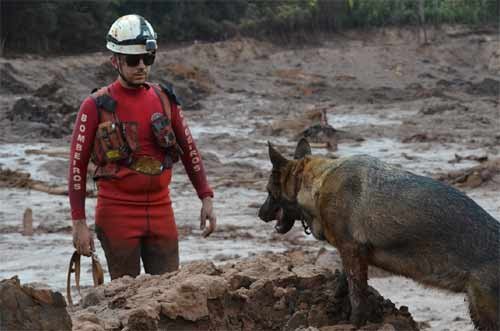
(134, 60)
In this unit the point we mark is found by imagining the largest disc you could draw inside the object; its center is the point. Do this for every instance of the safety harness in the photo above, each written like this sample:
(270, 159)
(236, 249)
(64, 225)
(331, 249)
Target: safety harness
(116, 141)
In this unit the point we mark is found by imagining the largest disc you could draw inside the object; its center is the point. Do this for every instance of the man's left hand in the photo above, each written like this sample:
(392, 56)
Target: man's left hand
(207, 212)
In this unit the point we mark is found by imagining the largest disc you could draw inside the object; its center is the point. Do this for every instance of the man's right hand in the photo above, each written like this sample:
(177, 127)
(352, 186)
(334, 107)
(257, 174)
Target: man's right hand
(82, 238)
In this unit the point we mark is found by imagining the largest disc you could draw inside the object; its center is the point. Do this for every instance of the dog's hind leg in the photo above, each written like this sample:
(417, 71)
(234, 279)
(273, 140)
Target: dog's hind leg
(484, 306)
(354, 261)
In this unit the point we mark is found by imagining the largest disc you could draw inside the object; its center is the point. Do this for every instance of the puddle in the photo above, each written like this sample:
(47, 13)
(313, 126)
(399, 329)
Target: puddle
(426, 158)
(439, 309)
(14, 157)
(46, 208)
(346, 120)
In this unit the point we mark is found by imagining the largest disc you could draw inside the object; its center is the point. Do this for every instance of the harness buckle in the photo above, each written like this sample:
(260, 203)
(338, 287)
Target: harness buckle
(147, 165)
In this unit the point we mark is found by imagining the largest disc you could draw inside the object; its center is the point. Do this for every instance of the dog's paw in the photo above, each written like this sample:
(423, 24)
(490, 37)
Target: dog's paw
(359, 316)
(360, 311)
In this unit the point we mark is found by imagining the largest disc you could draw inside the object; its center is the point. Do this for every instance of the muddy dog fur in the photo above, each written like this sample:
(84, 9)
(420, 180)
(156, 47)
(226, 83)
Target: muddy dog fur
(381, 215)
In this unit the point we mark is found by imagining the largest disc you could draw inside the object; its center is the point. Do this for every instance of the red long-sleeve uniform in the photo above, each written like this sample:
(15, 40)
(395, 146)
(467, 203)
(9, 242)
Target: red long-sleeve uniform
(132, 205)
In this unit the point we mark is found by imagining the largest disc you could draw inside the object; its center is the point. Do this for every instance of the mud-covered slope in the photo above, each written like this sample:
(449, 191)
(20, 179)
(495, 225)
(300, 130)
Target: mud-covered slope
(266, 292)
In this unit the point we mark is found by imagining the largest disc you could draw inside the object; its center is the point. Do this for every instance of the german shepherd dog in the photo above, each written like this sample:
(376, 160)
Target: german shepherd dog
(378, 214)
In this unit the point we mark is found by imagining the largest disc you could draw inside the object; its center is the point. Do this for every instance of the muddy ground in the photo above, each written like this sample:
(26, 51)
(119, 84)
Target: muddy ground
(432, 109)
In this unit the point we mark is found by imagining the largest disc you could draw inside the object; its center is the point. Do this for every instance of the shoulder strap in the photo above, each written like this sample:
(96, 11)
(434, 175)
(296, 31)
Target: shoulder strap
(169, 90)
(104, 101)
(165, 100)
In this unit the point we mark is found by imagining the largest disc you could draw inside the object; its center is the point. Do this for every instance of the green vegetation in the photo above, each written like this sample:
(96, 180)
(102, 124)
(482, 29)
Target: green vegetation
(52, 26)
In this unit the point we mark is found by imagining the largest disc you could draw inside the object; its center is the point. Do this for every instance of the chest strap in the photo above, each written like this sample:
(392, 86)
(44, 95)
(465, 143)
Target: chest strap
(106, 108)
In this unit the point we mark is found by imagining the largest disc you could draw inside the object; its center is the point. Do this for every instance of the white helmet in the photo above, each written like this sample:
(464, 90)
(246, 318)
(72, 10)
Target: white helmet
(131, 34)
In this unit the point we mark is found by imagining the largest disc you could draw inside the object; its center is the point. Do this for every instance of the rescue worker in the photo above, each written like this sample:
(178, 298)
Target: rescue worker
(133, 131)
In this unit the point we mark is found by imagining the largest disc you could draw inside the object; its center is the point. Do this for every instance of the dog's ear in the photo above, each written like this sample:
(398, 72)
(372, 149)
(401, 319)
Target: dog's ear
(276, 158)
(303, 149)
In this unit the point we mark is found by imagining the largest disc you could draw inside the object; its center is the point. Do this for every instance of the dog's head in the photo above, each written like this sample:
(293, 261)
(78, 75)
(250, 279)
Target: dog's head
(281, 203)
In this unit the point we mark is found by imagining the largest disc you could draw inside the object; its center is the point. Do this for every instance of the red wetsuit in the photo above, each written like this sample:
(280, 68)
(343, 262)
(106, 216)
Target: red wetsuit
(134, 216)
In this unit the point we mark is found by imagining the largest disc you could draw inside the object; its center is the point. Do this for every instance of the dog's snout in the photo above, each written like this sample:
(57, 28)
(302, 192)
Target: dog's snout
(266, 211)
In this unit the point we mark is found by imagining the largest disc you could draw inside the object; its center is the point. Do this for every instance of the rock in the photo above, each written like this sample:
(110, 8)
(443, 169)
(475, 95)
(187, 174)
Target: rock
(318, 315)
(191, 83)
(142, 320)
(47, 90)
(200, 267)
(87, 317)
(238, 281)
(42, 293)
(32, 116)
(88, 326)
(387, 327)
(472, 177)
(31, 307)
(310, 328)
(87, 322)
(9, 84)
(92, 297)
(29, 109)
(435, 108)
(339, 327)
(298, 320)
(189, 298)
(487, 87)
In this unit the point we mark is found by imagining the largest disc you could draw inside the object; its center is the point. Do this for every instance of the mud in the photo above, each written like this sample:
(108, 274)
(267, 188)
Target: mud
(430, 109)
(266, 292)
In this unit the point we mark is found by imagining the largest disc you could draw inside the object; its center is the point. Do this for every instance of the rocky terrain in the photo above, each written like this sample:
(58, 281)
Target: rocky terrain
(289, 291)
(432, 109)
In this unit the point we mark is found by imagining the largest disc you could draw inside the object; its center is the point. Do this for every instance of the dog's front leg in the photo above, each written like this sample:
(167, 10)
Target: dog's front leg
(354, 261)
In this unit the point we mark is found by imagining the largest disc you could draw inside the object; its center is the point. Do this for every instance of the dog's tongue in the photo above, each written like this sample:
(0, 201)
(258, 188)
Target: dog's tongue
(282, 225)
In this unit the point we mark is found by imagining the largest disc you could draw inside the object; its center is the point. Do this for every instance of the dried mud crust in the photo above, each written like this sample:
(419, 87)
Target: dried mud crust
(267, 292)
